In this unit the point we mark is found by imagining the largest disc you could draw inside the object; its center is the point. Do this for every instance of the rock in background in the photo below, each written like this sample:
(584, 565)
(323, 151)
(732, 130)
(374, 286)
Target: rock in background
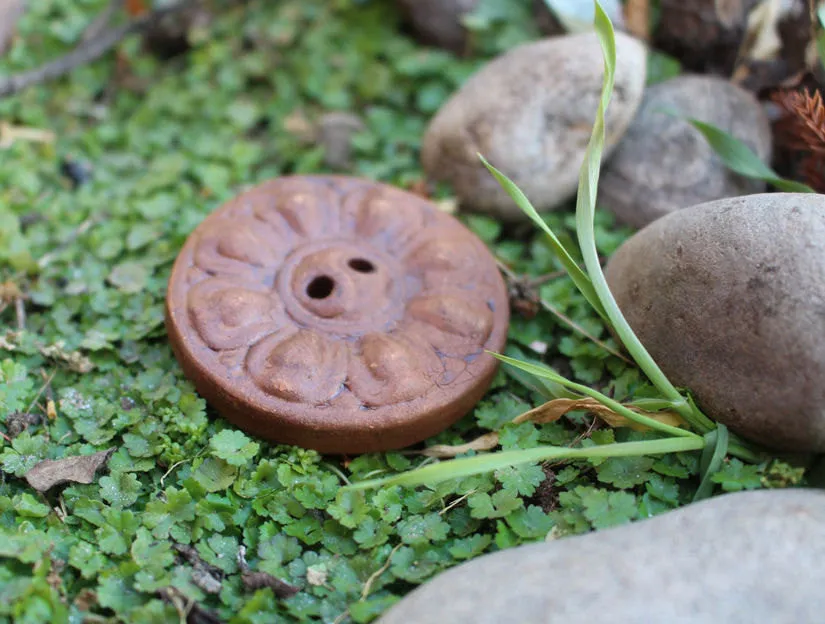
(729, 299)
(737, 558)
(663, 163)
(438, 22)
(704, 35)
(530, 113)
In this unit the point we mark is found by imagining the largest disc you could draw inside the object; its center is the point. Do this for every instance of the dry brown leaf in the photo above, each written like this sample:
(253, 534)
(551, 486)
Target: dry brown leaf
(555, 409)
(81, 469)
(485, 442)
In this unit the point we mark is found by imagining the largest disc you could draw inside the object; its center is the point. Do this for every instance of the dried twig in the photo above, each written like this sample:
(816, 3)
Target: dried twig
(259, 580)
(522, 297)
(104, 18)
(87, 51)
(368, 585)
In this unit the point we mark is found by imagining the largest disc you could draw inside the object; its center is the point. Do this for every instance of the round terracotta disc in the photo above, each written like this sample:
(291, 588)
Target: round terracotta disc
(336, 314)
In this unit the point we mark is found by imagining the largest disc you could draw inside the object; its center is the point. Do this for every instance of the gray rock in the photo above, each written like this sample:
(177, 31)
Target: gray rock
(664, 164)
(530, 113)
(438, 22)
(734, 559)
(729, 299)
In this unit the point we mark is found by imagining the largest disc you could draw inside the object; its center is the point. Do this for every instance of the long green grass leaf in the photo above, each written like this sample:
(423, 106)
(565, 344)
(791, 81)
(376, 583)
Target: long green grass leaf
(738, 157)
(469, 466)
(585, 215)
(575, 272)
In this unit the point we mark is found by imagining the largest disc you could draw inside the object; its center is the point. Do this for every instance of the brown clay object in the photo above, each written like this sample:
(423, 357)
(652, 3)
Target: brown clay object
(336, 314)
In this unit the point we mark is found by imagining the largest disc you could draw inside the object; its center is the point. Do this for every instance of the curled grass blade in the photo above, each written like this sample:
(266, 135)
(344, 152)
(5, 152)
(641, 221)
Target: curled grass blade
(433, 474)
(716, 448)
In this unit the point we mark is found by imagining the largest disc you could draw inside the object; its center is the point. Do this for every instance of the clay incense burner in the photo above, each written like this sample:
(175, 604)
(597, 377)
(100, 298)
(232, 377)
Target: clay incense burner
(336, 314)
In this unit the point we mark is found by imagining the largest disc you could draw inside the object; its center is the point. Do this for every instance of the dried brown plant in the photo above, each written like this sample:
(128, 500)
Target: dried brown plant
(802, 130)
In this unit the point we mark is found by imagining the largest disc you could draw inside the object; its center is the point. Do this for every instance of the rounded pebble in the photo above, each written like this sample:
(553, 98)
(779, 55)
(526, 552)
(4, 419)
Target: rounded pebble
(728, 297)
(663, 163)
(530, 113)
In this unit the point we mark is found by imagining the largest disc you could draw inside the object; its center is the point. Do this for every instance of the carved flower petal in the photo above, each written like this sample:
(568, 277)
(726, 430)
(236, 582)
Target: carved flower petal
(303, 205)
(457, 325)
(438, 260)
(304, 367)
(232, 247)
(393, 369)
(387, 217)
(228, 316)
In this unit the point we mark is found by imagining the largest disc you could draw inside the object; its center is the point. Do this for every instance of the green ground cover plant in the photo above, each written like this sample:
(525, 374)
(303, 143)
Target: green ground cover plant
(190, 516)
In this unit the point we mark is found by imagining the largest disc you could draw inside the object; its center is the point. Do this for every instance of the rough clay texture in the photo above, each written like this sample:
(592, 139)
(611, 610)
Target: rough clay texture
(438, 22)
(663, 163)
(337, 314)
(729, 299)
(530, 113)
(737, 558)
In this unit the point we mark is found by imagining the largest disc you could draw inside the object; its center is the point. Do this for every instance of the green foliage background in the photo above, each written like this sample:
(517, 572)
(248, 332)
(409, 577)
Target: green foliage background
(165, 148)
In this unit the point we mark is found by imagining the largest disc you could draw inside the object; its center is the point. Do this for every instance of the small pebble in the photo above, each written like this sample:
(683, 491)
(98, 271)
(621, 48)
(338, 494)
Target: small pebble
(663, 163)
(438, 22)
(530, 113)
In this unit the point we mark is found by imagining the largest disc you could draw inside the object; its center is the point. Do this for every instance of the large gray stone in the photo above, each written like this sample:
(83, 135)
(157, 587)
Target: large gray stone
(663, 163)
(530, 113)
(729, 299)
(734, 559)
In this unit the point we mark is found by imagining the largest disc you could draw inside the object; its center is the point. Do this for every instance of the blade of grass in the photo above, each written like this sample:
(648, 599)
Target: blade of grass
(578, 276)
(585, 215)
(716, 447)
(738, 157)
(469, 466)
(601, 398)
(541, 385)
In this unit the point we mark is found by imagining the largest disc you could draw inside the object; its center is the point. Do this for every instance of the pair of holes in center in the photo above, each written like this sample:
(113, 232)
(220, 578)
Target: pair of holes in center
(322, 286)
